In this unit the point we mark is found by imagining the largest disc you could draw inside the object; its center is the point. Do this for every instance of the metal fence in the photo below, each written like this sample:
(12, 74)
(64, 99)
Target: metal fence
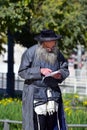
(7, 123)
(76, 84)
(18, 81)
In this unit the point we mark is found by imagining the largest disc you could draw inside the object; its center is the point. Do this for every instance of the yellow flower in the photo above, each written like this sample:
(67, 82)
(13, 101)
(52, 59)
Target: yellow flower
(7, 101)
(67, 108)
(4, 103)
(85, 103)
(69, 113)
(76, 96)
(66, 103)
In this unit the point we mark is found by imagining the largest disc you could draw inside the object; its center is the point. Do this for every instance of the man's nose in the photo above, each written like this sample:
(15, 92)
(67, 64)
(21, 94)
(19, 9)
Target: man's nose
(49, 49)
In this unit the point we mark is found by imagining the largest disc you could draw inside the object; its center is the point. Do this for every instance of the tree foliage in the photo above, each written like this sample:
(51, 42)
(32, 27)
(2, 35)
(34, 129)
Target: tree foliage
(67, 18)
(3, 40)
(13, 15)
(25, 18)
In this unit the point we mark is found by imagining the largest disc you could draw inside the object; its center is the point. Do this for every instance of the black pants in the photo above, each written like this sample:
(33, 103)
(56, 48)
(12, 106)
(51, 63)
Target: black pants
(43, 122)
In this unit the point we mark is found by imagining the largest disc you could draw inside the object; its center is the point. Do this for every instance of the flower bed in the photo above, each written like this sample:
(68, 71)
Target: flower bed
(75, 109)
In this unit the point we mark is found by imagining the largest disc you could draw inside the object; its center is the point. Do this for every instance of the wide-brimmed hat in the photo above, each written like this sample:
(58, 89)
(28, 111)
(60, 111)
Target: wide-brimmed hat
(47, 35)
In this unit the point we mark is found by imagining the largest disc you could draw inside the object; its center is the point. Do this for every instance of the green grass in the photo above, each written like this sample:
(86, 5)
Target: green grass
(75, 109)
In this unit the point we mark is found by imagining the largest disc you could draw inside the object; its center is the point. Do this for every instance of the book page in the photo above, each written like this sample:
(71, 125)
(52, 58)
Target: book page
(51, 74)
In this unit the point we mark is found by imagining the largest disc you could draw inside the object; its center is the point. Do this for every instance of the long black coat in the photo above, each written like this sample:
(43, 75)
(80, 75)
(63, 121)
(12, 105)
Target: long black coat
(34, 87)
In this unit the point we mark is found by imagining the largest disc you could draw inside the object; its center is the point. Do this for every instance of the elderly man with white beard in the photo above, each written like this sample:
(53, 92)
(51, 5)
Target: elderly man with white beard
(42, 107)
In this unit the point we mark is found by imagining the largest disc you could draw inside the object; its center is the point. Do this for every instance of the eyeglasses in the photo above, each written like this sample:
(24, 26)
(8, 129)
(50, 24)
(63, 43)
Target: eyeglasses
(50, 46)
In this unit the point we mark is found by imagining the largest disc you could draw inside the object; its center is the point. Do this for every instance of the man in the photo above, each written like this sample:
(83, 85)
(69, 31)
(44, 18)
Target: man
(42, 103)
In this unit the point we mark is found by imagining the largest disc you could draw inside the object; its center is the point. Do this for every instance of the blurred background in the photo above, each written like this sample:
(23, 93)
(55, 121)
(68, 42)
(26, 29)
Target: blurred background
(20, 21)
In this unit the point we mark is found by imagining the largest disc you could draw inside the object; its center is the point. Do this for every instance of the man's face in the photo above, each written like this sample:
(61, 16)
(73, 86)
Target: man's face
(49, 45)
(47, 51)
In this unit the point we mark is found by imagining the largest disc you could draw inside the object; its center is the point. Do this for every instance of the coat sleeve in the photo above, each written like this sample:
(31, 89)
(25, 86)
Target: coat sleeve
(26, 70)
(63, 63)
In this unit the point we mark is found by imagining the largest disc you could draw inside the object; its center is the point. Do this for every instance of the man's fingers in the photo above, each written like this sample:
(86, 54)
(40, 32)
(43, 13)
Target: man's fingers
(45, 71)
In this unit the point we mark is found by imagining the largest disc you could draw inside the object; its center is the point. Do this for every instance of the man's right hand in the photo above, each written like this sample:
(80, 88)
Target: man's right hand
(45, 71)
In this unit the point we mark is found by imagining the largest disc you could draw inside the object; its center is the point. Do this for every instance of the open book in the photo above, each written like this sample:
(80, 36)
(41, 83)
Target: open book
(52, 74)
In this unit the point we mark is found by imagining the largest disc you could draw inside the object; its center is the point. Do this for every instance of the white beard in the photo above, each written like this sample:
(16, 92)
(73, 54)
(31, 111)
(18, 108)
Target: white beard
(43, 54)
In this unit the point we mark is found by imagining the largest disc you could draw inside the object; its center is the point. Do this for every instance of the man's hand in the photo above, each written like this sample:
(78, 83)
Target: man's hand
(57, 76)
(45, 71)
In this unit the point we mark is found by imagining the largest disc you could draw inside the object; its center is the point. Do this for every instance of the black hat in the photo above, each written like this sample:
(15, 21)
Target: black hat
(47, 35)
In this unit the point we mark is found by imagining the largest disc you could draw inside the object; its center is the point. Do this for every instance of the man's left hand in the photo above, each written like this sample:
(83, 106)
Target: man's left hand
(57, 76)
